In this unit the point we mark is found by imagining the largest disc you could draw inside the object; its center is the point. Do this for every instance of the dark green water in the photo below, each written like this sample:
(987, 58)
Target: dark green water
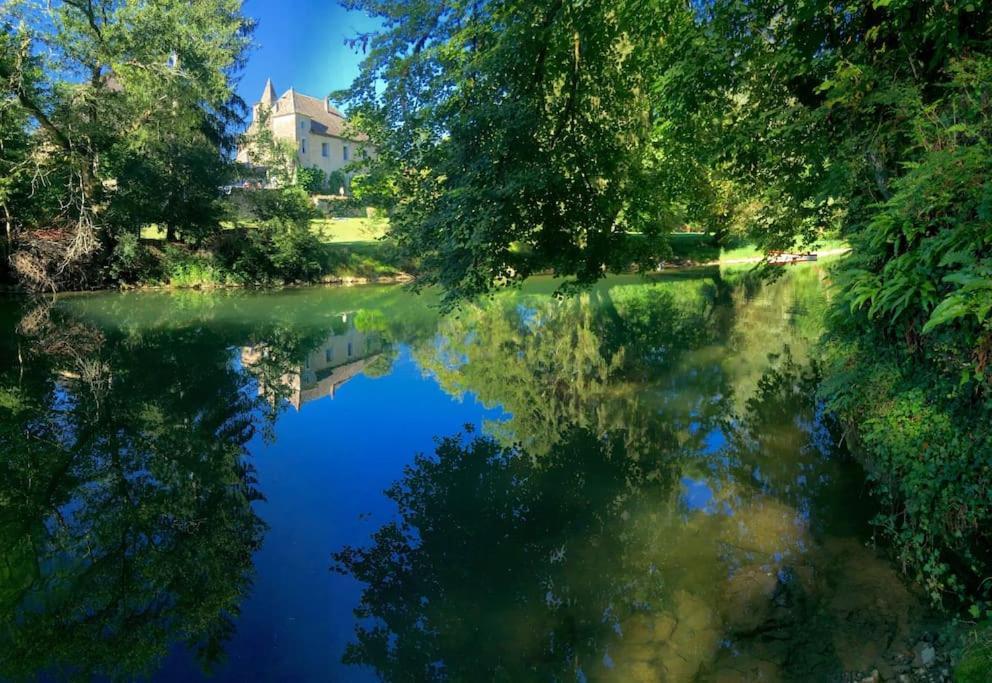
(635, 484)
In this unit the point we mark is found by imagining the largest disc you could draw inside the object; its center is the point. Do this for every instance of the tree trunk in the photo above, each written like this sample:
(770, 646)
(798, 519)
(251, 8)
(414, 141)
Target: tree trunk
(170, 233)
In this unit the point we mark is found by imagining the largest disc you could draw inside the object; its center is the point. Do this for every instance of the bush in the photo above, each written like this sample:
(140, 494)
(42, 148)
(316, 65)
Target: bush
(911, 347)
(184, 270)
(313, 180)
(975, 665)
(927, 446)
(336, 180)
(347, 207)
(280, 247)
(130, 261)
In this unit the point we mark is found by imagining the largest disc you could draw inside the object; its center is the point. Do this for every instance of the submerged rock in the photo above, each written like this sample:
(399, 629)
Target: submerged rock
(924, 655)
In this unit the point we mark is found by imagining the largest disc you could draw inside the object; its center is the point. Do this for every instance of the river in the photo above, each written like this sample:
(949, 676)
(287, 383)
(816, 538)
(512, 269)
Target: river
(636, 483)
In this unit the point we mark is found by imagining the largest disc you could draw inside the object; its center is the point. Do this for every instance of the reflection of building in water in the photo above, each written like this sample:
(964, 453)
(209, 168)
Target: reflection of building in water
(340, 357)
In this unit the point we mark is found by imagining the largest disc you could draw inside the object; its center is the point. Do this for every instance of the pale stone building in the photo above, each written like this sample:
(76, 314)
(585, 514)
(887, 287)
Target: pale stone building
(316, 130)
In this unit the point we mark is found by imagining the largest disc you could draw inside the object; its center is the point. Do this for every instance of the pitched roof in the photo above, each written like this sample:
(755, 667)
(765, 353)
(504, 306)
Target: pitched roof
(268, 93)
(324, 119)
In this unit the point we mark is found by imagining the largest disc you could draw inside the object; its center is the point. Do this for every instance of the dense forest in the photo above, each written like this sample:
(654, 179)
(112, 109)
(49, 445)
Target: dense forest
(573, 136)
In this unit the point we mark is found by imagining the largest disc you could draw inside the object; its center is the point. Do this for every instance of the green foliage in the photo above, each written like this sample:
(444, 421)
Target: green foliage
(280, 246)
(514, 138)
(975, 665)
(129, 261)
(312, 179)
(928, 449)
(336, 179)
(129, 114)
(269, 157)
(184, 269)
(279, 206)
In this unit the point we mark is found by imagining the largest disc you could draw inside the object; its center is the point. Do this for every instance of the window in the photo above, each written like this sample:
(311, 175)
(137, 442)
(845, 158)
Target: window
(346, 152)
(349, 349)
(303, 146)
(303, 125)
(329, 355)
(325, 149)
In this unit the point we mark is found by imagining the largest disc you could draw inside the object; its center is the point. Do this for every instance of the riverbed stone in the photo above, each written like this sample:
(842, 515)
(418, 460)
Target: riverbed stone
(748, 599)
(737, 668)
(695, 640)
(664, 626)
(764, 528)
(637, 629)
(924, 655)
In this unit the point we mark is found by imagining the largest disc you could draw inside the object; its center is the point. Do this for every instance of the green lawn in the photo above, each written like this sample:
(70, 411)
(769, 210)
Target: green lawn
(698, 247)
(329, 230)
(338, 230)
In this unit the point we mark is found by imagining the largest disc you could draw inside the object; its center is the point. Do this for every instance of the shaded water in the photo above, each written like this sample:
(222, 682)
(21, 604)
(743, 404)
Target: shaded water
(635, 484)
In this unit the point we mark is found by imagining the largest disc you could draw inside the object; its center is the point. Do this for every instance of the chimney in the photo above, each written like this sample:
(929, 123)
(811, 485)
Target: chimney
(327, 104)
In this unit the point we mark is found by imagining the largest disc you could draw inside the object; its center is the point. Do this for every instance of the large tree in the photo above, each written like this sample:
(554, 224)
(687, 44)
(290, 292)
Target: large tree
(513, 137)
(131, 105)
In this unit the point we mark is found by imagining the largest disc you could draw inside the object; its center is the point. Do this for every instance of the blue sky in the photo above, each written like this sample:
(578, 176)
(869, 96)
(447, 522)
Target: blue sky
(300, 43)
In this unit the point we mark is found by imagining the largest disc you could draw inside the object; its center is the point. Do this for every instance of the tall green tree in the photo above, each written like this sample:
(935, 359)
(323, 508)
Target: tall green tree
(513, 136)
(131, 109)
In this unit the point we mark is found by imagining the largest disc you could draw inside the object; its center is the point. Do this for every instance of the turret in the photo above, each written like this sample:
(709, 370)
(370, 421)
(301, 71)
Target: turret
(268, 94)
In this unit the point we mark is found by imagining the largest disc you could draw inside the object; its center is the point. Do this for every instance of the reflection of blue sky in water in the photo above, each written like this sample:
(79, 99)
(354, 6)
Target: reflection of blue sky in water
(757, 513)
(323, 480)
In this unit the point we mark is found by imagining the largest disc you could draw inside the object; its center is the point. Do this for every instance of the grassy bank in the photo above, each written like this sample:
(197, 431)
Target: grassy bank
(336, 250)
(333, 250)
(698, 247)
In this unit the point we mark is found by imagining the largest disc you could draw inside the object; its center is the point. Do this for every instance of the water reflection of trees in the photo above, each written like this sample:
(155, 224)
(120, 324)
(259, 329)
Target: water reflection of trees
(564, 542)
(500, 568)
(582, 361)
(125, 498)
(588, 562)
(126, 520)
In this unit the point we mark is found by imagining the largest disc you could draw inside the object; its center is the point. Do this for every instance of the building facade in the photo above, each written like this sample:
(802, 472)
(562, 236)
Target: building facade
(317, 131)
(343, 355)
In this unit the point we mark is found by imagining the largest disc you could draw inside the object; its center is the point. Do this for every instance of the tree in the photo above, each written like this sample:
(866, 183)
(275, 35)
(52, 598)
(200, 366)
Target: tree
(272, 158)
(514, 138)
(15, 164)
(133, 110)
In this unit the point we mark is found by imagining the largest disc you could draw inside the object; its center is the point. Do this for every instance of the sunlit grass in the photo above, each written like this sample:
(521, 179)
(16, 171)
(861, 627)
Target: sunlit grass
(338, 230)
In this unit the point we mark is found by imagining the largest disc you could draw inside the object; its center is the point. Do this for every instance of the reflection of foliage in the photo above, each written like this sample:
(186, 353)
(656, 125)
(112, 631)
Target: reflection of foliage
(544, 361)
(504, 566)
(583, 360)
(784, 434)
(585, 560)
(125, 504)
(659, 321)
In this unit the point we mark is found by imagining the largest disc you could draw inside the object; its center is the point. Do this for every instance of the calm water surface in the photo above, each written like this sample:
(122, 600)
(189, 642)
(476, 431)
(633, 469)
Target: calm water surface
(636, 484)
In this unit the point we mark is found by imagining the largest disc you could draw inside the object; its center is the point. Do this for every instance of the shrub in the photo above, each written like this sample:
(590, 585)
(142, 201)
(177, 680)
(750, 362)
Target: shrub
(280, 247)
(129, 261)
(927, 447)
(313, 180)
(336, 180)
(184, 269)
